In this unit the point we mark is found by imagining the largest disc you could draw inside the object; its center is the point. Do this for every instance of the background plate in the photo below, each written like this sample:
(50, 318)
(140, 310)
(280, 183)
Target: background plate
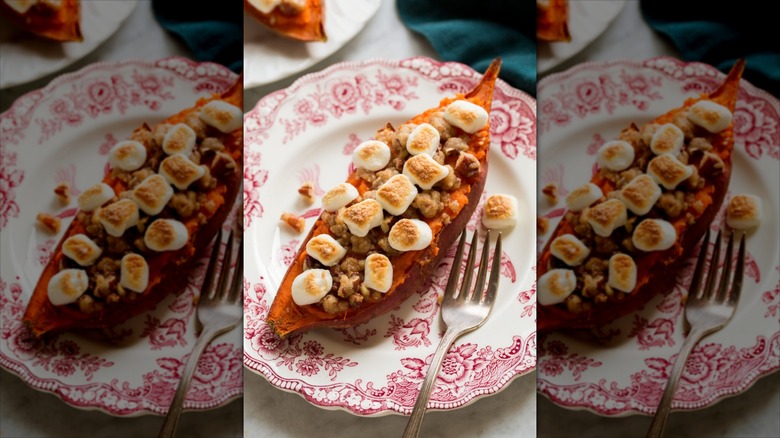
(25, 57)
(269, 57)
(587, 20)
(307, 133)
(622, 368)
(63, 133)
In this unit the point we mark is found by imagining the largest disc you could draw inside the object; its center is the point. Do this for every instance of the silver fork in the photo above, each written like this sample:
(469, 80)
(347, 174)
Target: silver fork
(707, 311)
(462, 312)
(220, 310)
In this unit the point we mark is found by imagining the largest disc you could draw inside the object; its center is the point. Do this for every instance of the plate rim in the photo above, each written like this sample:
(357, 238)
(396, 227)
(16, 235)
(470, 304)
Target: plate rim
(649, 64)
(53, 385)
(296, 385)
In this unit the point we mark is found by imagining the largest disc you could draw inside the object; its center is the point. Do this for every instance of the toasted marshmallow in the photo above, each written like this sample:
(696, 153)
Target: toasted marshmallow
(466, 116)
(166, 235)
(378, 273)
(67, 286)
(152, 194)
(396, 194)
(81, 249)
(622, 273)
(363, 216)
(424, 139)
(134, 273)
(615, 155)
(410, 235)
(339, 196)
(554, 286)
(311, 286)
(118, 217)
(180, 139)
(180, 171)
(668, 170)
(222, 115)
(425, 171)
(20, 6)
(569, 249)
(654, 235)
(265, 6)
(604, 218)
(709, 115)
(500, 212)
(325, 249)
(667, 139)
(127, 155)
(371, 155)
(743, 212)
(640, 194)
(583, 196)
(95, 196)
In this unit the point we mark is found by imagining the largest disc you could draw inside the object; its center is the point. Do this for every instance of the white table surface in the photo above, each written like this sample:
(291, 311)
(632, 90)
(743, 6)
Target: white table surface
(25, 412)
(270, 412)
(754, 413)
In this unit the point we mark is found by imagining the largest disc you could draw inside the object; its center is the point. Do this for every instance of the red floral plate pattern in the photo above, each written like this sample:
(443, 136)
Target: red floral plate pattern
(621, 369)
(63, 133)
(307, 133)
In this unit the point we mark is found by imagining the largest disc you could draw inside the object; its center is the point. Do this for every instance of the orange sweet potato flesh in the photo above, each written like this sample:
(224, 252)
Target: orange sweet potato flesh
(168, 270)
(309, 25)
(657, 270)
(44, 20)
(552, 21)
(410, 269)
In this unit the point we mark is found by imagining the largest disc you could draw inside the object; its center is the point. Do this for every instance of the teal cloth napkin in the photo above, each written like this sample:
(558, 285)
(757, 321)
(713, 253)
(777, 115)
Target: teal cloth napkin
(214, 34)
(718, 33)
(475, 32)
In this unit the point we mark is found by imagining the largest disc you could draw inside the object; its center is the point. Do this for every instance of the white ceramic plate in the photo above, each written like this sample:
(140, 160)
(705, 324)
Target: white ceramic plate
(622, 368)
(25, 58)
(587, 20)
(269, 57)
(307, 133)
(63, 133)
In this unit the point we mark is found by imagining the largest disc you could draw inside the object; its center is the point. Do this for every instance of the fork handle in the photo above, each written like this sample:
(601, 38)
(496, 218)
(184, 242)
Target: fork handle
(662, 413)
(415, 420)
(177, 405)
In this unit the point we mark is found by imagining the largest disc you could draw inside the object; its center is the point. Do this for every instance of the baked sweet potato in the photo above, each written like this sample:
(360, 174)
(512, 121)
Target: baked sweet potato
(602, 293)
(202, 208)
(552, 20)
(298, 19)
(465, 153)
(47, 20)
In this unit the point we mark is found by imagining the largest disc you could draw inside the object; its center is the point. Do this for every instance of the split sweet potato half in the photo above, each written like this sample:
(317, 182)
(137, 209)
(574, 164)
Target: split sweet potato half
(689, 208)
(298, 19)
(552, 20)
(202, 214)
(59, 23)
(411, 269)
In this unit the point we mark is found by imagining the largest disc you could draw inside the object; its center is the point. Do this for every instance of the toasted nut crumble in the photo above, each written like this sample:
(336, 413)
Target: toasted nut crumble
(297, 223)
(307, 192)
(49, 223)
(63, 193)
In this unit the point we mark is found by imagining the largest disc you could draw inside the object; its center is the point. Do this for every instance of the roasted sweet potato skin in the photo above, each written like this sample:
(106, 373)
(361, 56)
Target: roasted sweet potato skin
(657, 271)
(61, 24)
(285, 317)
(167, 272)
(309, 25)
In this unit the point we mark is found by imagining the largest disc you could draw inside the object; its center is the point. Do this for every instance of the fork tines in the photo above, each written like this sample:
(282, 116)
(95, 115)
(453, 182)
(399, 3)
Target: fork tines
(227, 292)
(466, 293)
(721, 293)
